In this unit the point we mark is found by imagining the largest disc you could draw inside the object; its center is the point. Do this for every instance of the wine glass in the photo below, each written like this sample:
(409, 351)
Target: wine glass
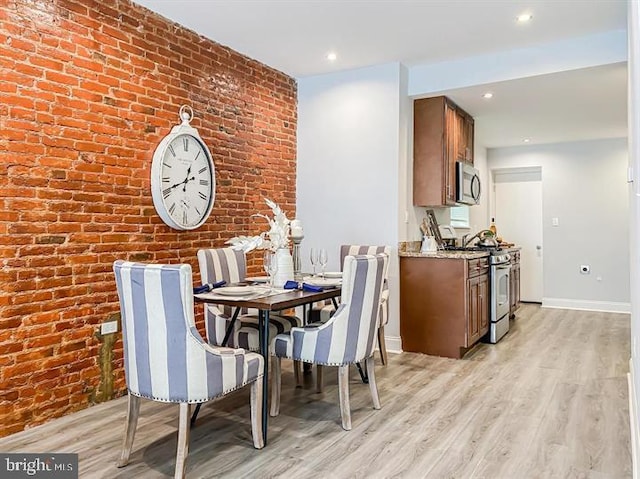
(323, 258)
(266, 263)
(270, 265)
(273, 271)
(314, 259)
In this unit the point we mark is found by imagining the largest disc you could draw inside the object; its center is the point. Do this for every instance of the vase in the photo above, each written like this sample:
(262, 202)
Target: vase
(284, 262)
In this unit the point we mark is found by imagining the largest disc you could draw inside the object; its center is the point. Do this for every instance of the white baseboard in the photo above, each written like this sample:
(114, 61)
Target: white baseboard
(633, 415)
(583, 304)
(393, 343)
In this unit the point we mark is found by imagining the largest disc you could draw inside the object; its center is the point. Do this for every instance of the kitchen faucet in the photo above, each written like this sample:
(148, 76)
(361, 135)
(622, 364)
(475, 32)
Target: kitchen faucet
(466, 241)
(486, 238)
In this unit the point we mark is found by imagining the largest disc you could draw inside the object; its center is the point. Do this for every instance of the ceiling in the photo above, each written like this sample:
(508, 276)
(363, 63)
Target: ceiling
(295, 36)
(575, 105)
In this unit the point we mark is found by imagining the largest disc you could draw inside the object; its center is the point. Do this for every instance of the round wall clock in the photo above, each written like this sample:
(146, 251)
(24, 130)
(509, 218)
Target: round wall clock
(183, 180)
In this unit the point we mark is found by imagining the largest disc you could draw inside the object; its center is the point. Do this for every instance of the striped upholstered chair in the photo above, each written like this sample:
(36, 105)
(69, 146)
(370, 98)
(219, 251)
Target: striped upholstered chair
(231, 265)
(348, 337)
(166, 359)
(323, 311)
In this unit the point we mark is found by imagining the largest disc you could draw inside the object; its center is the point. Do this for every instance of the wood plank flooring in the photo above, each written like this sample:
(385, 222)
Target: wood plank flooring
(549, 401)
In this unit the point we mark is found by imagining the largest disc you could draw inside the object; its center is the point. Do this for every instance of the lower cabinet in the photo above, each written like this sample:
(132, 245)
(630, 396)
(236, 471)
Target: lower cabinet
(478, 307)
(444, 304)
(514, 284)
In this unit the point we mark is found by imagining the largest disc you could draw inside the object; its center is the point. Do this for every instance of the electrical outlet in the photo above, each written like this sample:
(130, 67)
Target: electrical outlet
(585, 269)
(108, 328)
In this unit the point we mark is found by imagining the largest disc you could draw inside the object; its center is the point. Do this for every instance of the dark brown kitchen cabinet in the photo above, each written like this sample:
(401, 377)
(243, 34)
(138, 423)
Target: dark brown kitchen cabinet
(442, 135)
(478, 313)
(514, 284)
(444, 307)
(464, 136)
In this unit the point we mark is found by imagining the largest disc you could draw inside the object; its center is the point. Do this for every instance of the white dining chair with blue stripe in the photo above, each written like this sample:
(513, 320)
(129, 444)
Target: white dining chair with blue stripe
(348, 337)
(322, 312)
(166, 359)
(230, 265)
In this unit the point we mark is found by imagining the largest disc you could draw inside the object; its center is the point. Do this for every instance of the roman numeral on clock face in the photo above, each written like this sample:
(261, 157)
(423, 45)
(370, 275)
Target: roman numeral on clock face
(202, 170)
(202, 195)
(185, 143)
(166, 192)
(172, 208)
(204, 182)
(184, 217)
(172, 151)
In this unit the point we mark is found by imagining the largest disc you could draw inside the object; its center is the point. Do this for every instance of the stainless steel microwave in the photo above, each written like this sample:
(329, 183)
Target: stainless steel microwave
(467, 184)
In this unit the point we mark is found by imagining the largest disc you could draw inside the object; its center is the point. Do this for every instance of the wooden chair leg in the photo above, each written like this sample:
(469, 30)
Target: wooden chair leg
(276, 385)
(319, 378)
(183, 441)
(370, 362)
(343, 387)
(382, 346)
(133, 412)
(297, 372)
(257, 390)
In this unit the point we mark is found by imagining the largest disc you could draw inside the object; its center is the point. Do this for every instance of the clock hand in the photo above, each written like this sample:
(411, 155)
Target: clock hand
(184, 188)
(185, 181)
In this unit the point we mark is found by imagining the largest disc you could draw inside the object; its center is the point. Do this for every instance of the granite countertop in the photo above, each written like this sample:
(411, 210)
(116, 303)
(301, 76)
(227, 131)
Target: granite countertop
(411, 249)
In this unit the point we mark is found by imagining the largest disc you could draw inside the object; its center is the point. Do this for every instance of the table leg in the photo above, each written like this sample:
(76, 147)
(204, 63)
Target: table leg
(263, 327)
(363, 374)
(227, 334)
(194, 416)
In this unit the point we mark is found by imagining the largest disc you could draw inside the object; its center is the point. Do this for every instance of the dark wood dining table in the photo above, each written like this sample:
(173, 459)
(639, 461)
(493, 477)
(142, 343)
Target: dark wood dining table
(265, 306)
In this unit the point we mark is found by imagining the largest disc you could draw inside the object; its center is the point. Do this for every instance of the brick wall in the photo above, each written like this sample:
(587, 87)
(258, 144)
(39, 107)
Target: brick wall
(87, 90)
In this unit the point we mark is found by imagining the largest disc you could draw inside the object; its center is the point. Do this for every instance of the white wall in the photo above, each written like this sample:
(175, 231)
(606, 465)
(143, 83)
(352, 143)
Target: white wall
(479, 214)
(349, 158)
(634, 162)
(584, 185)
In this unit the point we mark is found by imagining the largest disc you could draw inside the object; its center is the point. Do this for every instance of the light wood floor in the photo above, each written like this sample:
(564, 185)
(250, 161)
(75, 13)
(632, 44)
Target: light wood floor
(549, 401)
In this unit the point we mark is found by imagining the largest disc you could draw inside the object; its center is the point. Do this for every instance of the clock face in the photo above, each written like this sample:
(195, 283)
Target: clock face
(186, 183)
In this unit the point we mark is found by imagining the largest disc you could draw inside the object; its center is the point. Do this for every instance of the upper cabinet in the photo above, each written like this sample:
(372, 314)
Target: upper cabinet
(442, 135)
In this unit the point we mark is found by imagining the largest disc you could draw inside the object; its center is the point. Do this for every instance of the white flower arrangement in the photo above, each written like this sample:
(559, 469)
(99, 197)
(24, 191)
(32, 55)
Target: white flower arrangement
(278, 234)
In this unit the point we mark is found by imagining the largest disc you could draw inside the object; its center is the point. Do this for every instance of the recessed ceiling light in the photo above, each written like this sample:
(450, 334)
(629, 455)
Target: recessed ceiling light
(487, 95)
(524, 18)
(331, 56)
(526, 140)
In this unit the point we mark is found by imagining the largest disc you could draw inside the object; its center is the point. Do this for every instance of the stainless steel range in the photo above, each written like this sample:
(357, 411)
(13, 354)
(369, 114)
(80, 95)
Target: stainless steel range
(500, 273)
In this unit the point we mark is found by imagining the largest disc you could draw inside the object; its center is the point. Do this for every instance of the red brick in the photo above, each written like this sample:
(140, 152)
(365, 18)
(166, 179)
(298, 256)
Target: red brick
(88, 97)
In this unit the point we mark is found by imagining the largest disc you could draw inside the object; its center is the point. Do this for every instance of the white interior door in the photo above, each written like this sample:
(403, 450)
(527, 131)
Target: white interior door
(518, 215)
